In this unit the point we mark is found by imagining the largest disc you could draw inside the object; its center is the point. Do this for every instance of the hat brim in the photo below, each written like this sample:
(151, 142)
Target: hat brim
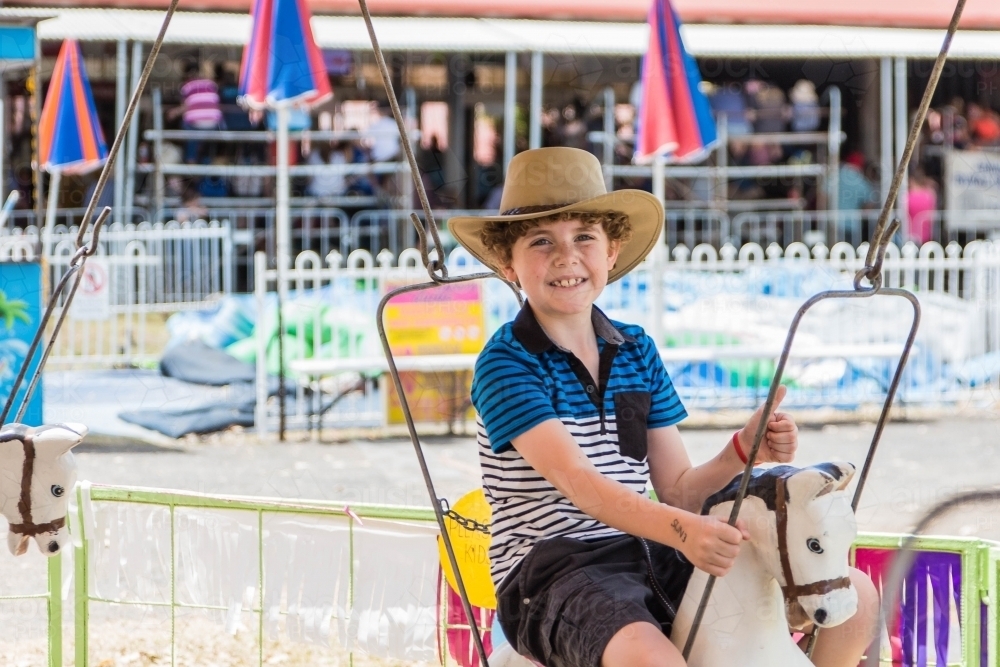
(644, 211)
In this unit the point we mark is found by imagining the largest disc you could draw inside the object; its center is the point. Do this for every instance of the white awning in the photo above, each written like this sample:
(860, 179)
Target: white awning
(471, 35)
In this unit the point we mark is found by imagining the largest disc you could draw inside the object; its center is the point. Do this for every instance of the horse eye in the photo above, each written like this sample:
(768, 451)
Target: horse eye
(814, 545)
(57, 491)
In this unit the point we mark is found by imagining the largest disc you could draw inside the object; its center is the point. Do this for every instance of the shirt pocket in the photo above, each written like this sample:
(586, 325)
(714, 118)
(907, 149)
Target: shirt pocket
(631, 418)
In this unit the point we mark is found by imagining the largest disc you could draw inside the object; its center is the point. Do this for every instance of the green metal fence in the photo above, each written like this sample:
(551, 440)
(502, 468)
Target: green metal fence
(980, 570)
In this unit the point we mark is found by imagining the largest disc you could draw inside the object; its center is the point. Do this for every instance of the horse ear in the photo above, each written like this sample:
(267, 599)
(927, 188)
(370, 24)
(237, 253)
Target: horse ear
(58, 439)
(846, 473)
(819, 480)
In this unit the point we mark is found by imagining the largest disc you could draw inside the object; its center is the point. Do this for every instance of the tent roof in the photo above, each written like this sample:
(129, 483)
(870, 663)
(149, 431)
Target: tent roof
(978, 14)
(499, 35)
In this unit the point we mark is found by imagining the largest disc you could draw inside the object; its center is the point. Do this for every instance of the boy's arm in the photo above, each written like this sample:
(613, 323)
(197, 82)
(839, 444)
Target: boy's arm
(676, 481)
(682, 485)
(708, 542)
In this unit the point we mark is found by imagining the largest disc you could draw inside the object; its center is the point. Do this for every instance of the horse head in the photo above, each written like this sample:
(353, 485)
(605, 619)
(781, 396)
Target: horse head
(815, 530)
(802, 526)
(37, 472)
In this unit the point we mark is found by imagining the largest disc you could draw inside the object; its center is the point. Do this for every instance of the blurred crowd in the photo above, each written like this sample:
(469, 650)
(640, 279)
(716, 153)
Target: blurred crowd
(209, 104)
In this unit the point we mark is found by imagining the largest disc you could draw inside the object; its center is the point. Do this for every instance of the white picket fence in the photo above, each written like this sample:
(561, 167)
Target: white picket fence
(150, 269)
(725, 314)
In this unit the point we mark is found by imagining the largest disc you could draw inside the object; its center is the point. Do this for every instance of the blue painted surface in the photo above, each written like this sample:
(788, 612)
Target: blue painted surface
(20, 313)
(17, 43)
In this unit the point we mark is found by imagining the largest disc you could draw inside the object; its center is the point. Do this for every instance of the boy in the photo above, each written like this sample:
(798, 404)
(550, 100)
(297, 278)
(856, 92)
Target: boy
(577, 415)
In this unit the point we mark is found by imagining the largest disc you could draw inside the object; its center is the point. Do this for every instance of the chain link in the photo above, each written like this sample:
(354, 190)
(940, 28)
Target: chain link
(464, 522)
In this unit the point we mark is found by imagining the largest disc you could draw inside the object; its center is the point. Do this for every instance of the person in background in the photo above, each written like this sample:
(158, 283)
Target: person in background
(727, 100)
(921, 202)
(383, 136)
(329, 183)
(854, 193)
(200, 109)
(805, 106)
(191, 207)
(768, 102)
(984, 125)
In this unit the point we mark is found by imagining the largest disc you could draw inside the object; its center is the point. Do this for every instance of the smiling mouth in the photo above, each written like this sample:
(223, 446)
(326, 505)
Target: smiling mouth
(573, 282)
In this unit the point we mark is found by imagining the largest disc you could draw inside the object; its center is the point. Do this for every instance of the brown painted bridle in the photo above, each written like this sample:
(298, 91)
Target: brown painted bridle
(27, 527)
(790, 589)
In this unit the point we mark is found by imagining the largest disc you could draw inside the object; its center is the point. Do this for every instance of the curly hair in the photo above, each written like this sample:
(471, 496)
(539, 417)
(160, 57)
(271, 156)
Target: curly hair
(499, 236)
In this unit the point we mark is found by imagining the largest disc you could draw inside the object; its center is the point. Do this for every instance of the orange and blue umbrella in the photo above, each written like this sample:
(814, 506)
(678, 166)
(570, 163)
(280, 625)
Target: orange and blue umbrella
(70, 138)
(674, 116)
(282, 62)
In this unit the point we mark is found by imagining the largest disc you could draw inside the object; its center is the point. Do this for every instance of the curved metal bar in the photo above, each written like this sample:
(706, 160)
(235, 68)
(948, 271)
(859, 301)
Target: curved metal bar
(903, 560)
(421, 459)
(769, 406)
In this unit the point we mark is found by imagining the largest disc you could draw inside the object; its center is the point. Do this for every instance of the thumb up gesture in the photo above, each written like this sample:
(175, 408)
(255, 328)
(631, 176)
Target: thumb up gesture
(781, 438)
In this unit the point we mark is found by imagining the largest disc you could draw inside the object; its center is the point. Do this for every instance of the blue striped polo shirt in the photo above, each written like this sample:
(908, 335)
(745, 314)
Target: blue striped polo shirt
(522, 379)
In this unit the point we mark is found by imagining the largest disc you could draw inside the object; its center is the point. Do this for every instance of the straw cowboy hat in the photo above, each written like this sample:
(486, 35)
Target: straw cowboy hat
(546, 181)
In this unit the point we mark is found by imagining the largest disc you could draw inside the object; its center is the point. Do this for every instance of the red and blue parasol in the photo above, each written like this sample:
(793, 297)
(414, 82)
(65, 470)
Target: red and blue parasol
(69, 134)
(282, 62)
(674, 116)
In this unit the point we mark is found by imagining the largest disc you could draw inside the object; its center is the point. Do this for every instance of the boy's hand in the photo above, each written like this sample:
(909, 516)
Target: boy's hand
(710, 543)
(781, 438)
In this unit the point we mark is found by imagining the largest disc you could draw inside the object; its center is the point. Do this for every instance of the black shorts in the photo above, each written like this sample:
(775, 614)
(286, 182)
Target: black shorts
(566, 599)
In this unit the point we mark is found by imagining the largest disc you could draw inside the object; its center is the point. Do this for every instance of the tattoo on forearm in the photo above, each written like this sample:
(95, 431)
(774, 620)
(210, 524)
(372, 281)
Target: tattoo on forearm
(676, 525)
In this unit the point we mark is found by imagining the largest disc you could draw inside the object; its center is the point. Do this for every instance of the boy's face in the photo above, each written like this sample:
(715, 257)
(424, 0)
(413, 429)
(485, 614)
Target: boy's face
(562, 266)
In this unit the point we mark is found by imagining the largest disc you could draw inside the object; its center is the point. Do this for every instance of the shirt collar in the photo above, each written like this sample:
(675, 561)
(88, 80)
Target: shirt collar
(534, 339)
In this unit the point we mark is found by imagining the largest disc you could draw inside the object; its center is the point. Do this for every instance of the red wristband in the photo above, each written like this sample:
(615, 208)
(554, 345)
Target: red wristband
(739, 451)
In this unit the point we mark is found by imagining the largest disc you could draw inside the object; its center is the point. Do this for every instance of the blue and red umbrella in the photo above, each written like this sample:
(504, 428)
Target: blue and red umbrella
(282, 62)
(70, 138)
(674, 116)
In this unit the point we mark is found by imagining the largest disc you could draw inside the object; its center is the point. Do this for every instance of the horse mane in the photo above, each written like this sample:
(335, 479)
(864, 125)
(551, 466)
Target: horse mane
(762, 485)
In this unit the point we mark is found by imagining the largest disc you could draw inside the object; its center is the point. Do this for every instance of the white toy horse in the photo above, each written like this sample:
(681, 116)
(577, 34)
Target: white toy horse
(793, 571)
(37, 472)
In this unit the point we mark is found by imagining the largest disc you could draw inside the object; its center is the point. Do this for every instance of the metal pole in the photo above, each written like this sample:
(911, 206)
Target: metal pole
(121, 92)
(902, 127)
(3, 135)
(50, 212)
(509, 108)
(282, 233)
(722, 150)
(658, 257)
(133, 137)
(608, 154)
(885, 117)
(159, 186)
(833, 150)
(535, 113)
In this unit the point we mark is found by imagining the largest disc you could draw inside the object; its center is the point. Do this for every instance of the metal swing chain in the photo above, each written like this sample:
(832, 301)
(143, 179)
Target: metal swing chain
(872, 271)
(84, 250)
(469, 524)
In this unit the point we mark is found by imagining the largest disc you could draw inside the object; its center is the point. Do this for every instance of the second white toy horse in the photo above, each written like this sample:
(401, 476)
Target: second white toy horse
(37, 473)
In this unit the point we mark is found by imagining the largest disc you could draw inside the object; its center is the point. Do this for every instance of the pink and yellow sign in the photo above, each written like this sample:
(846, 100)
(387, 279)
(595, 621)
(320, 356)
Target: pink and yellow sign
(444, 320)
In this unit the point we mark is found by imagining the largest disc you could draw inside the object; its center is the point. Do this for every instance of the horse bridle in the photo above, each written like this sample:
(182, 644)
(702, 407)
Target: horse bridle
(790, 589)
(27, 527)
